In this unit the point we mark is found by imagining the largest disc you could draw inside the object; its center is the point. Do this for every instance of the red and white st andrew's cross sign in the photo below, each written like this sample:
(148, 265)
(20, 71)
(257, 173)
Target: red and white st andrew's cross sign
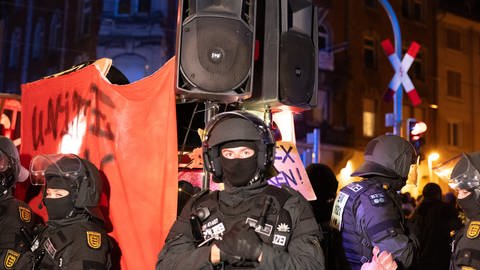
(401, 69)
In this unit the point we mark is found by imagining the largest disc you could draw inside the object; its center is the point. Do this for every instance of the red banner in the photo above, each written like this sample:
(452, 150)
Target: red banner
(129, 132)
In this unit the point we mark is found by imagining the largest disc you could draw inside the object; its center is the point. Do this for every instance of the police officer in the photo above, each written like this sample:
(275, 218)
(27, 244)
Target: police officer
(368, 213)
(465, 179)
(74, 237)
(16, 219)
(249, 224)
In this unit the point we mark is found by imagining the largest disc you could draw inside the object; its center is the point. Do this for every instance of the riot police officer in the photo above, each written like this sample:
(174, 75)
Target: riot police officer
(368, 213)
(249, 224)
(465, 179)
(17, 221)
(74, 237)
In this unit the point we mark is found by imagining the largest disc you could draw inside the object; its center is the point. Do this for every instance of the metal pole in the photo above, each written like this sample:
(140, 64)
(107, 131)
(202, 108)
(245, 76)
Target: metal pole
(211, 109)
(397, 103)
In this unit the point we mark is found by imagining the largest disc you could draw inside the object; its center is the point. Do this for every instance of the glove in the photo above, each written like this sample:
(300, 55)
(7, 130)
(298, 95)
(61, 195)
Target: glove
(241, 242)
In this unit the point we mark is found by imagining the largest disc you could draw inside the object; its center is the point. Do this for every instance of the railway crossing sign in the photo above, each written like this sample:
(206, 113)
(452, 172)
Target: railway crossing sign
(401, 68)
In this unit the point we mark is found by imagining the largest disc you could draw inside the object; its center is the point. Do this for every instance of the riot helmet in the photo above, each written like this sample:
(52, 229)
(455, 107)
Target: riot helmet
(70, 172)
(228, 127)
(389, 156)
(11, 170)
(465, 174)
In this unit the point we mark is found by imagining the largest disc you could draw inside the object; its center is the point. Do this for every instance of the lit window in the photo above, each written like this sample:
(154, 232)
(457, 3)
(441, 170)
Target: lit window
(368, 117)
(369, 58)
(454, 84)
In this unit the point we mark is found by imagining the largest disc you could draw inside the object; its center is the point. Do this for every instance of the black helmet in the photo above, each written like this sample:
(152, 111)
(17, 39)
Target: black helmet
(465, 174)
(237, 126)
(81, 176)
(389, 156)
(11, 170)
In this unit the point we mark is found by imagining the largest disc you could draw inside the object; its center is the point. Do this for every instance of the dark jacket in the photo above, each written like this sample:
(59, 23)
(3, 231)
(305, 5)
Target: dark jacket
(372, 216)
(466, 250)
(17, 223)
(76, 243)
(434, 221)
(289, 216)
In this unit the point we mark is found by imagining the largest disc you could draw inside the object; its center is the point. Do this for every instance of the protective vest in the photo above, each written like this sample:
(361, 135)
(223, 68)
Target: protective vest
(466, 253)
(264, 212)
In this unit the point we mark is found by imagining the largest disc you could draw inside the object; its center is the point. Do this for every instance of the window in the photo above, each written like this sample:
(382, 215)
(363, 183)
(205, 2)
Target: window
(369, 58)
(85, 17)
(322, 37)
(368, 117)
(14, 58)
(133, 7)
(370, 3)
(454, 40)
(54, 41)
(453, 134)
(38, 39)
(418, 67)
(418, 10)
(454, 83)
(406, 8)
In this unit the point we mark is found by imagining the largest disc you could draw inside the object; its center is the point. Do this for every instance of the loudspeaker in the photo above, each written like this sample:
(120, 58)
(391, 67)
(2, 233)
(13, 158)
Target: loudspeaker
(285, 73)
(215, 49)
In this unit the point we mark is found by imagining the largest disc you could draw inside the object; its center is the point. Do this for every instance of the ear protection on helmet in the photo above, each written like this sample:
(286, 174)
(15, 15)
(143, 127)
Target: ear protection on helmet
(232, 126)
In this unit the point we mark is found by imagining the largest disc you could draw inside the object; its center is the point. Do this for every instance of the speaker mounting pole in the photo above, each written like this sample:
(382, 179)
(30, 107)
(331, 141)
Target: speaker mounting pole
(211, 109)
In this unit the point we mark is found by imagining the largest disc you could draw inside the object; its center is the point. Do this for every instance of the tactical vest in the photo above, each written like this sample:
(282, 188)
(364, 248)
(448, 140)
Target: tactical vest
(356, 245)
(213, 218)
(467, 247)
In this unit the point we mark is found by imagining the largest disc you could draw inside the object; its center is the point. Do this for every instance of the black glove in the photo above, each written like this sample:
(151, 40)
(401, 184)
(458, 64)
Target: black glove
(240, 243)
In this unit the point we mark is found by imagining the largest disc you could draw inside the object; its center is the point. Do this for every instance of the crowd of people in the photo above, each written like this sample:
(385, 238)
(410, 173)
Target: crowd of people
(249, 224)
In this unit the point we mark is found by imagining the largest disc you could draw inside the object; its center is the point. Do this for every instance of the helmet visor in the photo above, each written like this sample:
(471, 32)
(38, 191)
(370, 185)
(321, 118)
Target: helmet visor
(468, 178)
(44, 167)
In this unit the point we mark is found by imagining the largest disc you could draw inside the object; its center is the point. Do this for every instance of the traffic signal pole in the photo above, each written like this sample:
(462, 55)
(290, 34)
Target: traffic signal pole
(397, 103)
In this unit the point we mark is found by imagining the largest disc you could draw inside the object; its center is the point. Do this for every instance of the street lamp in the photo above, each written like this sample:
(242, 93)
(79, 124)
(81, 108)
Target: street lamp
(431, 158)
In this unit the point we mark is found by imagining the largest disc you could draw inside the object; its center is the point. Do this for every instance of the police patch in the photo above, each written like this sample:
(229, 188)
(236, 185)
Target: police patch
(377, 199)
(11, 259)
(25, 214)
(473, 229)
(94, 239)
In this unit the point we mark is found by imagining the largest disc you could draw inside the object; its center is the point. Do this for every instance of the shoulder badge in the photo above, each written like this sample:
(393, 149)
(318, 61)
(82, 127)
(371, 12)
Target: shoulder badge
(94, 239)
(473, 229)
(377, 199)
(355, 187)
(25, 214)
(11, 259)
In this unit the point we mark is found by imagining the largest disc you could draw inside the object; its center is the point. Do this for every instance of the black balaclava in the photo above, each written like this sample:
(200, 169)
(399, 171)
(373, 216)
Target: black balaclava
(239, 172)
(470, 204)
(59, 208)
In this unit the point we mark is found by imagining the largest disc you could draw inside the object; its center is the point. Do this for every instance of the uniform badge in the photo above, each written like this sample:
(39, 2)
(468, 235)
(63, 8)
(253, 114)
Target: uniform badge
(25, 214)
(11, 259)
(282, 227)
(94, 239)
(279, 240)
(377, 199)
(473, 229)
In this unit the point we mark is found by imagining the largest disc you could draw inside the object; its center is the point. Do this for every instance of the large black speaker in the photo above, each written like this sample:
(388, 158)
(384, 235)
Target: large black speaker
(215, 49)
(286, 70)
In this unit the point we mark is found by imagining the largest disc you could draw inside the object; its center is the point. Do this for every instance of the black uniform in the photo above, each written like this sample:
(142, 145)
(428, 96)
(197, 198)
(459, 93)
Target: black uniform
(290, 236)
(76, 243)
(372, 216)
(466, 253)
(16, 228)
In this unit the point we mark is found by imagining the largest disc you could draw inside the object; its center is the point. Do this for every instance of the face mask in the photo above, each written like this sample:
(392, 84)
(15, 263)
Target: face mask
(238, 172)
(470, 204)
(59, 208)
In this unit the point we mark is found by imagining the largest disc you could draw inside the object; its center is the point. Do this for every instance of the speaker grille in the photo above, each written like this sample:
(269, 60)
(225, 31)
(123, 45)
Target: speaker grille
(216, 53)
